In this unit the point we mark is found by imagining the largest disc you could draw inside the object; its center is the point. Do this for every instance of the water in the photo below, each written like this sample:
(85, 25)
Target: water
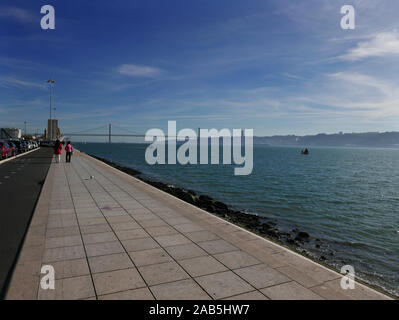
(347, 197)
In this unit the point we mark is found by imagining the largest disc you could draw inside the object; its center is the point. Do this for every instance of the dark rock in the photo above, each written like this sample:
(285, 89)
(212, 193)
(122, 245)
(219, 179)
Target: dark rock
(301, 236)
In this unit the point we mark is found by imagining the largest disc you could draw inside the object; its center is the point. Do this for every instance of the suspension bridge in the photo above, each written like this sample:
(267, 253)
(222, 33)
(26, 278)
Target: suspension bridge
(108, 133)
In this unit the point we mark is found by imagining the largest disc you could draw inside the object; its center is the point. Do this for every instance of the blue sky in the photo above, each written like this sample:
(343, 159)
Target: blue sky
(278, 66)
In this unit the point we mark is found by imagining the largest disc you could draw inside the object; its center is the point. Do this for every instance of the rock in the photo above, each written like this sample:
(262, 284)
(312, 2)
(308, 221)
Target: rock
(220, 205)
(205, 198)
(301, 236)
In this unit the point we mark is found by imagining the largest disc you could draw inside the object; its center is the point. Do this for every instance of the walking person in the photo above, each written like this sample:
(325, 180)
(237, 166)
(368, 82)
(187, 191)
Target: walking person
(58, 151)
(69, 151)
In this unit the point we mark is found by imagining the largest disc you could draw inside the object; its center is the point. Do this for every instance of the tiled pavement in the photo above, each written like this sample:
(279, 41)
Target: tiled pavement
(111, 236)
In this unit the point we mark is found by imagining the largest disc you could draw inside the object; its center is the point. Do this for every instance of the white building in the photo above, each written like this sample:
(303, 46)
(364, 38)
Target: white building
(10, 133)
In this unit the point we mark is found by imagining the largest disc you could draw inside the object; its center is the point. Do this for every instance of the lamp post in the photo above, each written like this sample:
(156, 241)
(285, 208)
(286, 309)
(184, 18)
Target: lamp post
(50, 134)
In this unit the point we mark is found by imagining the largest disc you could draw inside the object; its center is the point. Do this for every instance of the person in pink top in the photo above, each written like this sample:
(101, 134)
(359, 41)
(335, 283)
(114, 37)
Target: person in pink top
(69, 150)
(58, 151)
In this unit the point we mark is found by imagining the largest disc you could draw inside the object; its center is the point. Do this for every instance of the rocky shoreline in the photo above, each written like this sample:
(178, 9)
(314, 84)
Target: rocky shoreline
(295, 239)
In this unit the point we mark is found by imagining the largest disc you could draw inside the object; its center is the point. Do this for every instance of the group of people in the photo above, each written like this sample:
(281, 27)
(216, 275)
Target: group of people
(58, 150)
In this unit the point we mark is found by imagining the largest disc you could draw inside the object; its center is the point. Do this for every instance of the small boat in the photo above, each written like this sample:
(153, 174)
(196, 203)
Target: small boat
(306, 151)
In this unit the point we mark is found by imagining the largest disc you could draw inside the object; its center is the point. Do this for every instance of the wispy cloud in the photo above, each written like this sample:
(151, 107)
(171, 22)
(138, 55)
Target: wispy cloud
(133, 70)
(18, 14)
(378, 45)
(13, 82)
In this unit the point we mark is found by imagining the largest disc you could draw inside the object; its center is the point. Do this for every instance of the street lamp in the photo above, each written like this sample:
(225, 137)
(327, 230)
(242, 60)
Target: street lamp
(51, 82)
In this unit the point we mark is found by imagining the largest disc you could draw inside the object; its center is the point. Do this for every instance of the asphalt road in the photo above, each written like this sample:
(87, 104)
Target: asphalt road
(21, 181)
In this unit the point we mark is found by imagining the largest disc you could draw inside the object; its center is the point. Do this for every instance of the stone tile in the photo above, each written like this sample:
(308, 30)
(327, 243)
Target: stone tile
(92, 221)
(69, 289)
(290, 291)
(161, 231)
(332, 290)
(217, 246)
(125, 226)
(186, 251)
(179, 290)
(188, 227)
(118, 219)
(244, 235)
(131, 234)
(105, 248)
(139, 244)
(253, 295)
(89, 215)
(153, 223)
(236, 259)
(115, 281)
(23, 290)
(70, 268)
(299, 276)
(99, 237)
(162, 273)
(175, 221)
(110, 262)
(172, 240)
(61, 211)
(148, 257)
(136, 294)
(201, 266)
(67, 241)
(138, 211)
(62, 221)
(100, 228)
(261, 276)
(65, 253)
(31, 254)
(223, 285)
(62, 232)
(144, 217)
(200, 236)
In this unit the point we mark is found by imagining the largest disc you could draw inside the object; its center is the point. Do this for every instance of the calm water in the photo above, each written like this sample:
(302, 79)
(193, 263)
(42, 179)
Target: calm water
(347, 197)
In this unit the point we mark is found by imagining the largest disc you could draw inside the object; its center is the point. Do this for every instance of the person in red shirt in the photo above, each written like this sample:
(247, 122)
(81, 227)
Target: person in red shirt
(58, 151)
(69, 151)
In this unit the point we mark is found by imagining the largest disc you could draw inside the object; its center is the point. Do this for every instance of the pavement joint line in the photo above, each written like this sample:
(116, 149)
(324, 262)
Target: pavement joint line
(145, 282)
(80, 232)
(151, 237)
(176, 261)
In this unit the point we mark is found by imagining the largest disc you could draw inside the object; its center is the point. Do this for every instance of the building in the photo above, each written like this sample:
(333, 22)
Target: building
(10, 133)
(53, 130)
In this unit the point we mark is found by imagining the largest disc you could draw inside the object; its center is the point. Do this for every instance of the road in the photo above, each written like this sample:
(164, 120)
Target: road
(21, 181)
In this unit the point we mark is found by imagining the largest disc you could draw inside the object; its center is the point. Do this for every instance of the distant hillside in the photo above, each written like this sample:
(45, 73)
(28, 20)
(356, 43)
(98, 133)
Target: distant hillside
(368, 139)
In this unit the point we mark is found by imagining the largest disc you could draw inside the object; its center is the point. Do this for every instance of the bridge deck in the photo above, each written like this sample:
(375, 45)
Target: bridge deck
(111, 236)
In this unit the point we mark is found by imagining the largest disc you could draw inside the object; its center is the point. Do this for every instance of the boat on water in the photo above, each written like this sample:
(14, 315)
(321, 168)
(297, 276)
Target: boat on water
(306, 151)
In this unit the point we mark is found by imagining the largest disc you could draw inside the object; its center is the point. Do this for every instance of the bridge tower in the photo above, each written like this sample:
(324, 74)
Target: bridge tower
(109, 133)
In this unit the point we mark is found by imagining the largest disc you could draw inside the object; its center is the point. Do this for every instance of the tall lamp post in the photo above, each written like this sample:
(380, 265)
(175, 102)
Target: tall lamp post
(50, 134)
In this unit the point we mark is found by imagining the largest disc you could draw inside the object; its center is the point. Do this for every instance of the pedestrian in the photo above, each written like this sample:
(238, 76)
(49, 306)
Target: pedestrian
(69, 151)
(58, 151)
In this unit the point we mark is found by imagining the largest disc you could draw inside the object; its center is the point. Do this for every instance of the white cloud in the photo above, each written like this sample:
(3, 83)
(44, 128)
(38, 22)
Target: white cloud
(133, 70)
(13, 82)
(17, 14)
(378, 45)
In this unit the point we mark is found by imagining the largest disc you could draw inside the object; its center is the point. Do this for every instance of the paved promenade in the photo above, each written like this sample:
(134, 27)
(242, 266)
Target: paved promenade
(111, 236)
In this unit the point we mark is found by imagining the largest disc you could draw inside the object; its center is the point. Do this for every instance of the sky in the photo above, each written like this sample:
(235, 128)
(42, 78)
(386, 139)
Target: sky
(277, 66)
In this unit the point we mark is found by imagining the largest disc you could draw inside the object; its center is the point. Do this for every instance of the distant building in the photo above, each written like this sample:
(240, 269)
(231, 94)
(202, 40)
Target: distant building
(53, 130)
(10, 133)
